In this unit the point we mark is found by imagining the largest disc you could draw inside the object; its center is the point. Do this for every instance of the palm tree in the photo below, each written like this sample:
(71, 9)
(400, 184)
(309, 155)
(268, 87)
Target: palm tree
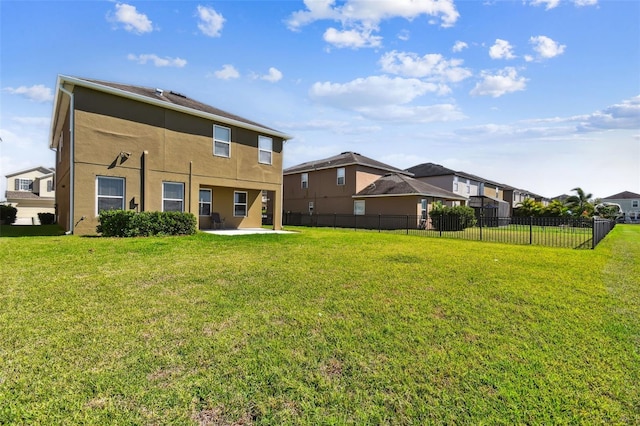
(528, 207)
(580, 203)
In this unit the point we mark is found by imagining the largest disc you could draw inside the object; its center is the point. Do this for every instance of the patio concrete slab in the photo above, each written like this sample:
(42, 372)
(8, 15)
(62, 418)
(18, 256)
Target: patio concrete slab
(244, 231)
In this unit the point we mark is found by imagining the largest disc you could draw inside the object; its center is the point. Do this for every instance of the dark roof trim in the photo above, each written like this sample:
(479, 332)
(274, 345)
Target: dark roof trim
(344, 159)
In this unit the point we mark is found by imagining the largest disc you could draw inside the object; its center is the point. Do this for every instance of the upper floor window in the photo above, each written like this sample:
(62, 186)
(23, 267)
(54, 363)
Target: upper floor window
(240, 204)
(497, 192)
(341, 176)
(24, 184)
(455, 184)
(50, 185)
(304, 180)
(635, 204)
(172, 196)
(109, 193)
(221, 141)
(265, 149)
(468, 187)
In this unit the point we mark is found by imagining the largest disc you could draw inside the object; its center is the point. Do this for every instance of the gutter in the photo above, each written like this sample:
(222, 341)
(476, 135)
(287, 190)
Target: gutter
(71, 156)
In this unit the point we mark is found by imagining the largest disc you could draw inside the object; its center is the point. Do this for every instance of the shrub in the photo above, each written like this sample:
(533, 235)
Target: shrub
(8, 214)
(127, 223)
(47, 218)
(455, 218)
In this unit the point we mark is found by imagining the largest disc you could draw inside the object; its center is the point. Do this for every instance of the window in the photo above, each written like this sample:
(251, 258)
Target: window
(358, 207)
(304, 180)
(109, 193)
(240, 204)
(423, 208)
(311, 207)
(205, 202)
(24, 184)
(635, 204)
(50, 185)
(172, 196)
(265, 147)
(221, 141)
(455, 184)
(497, 192)
(468, 187)
(340, 174)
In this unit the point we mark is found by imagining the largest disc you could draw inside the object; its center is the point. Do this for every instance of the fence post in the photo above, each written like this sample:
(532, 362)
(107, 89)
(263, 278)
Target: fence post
(481, 220)
(379, 222)
(530, 230)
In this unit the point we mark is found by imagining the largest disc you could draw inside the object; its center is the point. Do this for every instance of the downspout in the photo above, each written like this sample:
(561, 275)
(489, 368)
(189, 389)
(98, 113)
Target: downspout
(71, 157)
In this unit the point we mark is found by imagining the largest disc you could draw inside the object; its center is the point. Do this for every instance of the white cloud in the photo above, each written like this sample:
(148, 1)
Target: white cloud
(549, 4)
(625, 115)
(370, 92)
(131, 19)
(413, 114)
(157, 61)
(33, 121)
(545, 48)
(580, 3)
(351, 38)
(496, 85)
(359, 18)
(459, 46)
(431, 66)
(404, 35)
(227, 72)
(502, 49)
(37, 93)
(211, 22)
(273, 76)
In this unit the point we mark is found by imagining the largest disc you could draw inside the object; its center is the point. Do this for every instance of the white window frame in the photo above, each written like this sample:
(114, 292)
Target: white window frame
(50, 185)
(172, 199)
(202, 203)
(220, 141)
(635, 204)
(341, 174)
(468, 187)
(98, 196)
(25, 185)
(304, 180)
(262, 150)
(455, 184)
(497, 192)
(359, 207)
(423, 208)
(237, 204)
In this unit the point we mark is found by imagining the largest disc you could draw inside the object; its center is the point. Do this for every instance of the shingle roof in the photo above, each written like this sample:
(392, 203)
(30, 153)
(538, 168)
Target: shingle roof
(43, 170)
(626, 195)
(432, 169)
(345, 159)
(23, 195)
(396, 184)
(168, 97)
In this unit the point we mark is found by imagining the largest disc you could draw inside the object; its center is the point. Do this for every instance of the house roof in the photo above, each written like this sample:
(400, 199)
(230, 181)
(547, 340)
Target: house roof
(626, 195)
(41, 169)
(23, 195)
(159, 97)
(348, 158)
(396, 184)
(432, 169)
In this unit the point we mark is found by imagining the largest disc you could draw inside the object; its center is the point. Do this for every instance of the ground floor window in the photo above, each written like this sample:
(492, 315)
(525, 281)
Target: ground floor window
(109, 193)
(240, 204)
(172, 196)
(205, 202)
(423, 208)
(358, 207)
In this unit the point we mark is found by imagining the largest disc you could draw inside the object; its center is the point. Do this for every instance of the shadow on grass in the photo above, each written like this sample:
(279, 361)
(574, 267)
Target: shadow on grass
(30, 230)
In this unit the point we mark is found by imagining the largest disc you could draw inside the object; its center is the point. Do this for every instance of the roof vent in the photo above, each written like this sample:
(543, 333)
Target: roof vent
(159, 92)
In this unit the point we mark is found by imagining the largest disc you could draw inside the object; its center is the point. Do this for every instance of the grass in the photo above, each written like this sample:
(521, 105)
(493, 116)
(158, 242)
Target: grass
(30, 230)
(320, 327)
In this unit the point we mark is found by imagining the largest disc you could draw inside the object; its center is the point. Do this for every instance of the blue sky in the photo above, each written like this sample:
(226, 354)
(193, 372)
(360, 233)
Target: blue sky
(543, 95)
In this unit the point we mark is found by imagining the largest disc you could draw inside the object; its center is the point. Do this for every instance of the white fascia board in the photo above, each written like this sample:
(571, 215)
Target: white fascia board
(167, 105)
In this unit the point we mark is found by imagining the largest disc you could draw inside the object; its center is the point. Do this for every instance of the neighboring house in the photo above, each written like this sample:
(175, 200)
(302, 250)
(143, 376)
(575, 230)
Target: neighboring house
(630, 204)
(514, 197)
(31, 191)
(399, 194)
(482, 194)
(135, 148)
(327, 186)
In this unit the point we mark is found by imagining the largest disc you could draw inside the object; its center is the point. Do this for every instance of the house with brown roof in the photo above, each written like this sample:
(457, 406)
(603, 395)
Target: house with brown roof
(327, 186)
(629, 203)
(32, 192)
(137, 148)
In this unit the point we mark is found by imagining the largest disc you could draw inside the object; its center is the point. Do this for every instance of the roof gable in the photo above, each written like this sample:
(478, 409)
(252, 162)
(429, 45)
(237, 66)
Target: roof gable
(396, 184)
(347, 158)
(625, 195)
(41, 169)
(432, 169)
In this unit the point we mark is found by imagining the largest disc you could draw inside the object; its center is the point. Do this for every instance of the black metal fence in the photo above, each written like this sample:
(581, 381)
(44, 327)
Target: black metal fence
(545, 231)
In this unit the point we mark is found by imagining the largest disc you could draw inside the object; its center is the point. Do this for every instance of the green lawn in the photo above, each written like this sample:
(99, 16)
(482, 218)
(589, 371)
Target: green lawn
(319, 327)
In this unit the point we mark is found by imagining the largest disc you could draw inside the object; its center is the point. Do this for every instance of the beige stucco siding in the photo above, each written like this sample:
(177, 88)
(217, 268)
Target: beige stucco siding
(148, 145)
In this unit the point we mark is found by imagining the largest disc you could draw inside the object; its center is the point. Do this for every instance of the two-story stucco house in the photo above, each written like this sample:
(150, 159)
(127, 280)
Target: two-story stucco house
(31, 191)
(120, 146)
(629, 203)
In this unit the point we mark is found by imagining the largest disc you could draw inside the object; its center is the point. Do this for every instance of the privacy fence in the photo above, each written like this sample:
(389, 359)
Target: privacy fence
(545, 231)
